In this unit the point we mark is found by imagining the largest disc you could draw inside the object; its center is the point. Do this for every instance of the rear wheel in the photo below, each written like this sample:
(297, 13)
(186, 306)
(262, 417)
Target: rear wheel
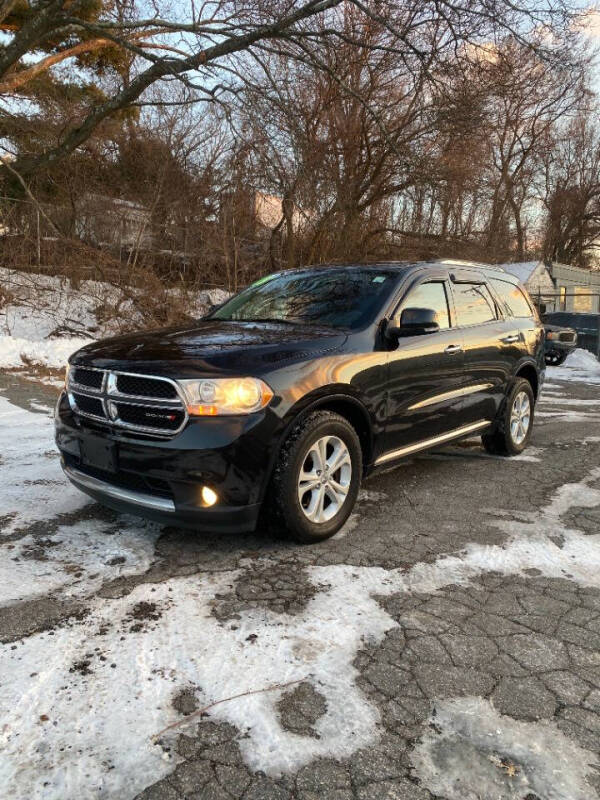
(317, 477)
(512, 431)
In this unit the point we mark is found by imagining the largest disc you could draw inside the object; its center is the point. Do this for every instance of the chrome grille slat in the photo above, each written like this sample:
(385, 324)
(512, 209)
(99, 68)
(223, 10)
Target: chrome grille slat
(112, 401)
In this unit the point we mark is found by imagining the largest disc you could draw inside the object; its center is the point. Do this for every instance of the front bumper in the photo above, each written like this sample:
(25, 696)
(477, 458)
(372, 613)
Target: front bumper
(560, 347)
(161, 479)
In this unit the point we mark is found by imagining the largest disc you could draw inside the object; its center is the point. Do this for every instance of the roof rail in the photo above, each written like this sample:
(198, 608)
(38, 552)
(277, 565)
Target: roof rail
(461, 263)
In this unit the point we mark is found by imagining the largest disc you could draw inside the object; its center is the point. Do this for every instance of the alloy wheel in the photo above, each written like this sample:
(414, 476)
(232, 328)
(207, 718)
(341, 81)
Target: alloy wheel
(324, 479)
(520, 417)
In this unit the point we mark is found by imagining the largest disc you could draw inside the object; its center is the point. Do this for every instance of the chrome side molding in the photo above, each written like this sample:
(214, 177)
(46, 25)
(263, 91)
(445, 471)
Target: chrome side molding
(425, 443)
(85, 482)
(439, 398)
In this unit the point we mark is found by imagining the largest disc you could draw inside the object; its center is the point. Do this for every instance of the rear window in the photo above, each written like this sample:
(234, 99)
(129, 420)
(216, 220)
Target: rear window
(513, 298)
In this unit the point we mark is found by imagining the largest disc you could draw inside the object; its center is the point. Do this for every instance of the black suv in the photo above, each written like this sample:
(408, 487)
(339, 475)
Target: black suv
(287, 395)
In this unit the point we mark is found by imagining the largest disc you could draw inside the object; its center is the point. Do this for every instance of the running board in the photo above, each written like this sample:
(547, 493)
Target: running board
(423, 445)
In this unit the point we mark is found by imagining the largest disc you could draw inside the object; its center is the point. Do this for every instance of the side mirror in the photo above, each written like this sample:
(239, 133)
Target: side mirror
(414, 322)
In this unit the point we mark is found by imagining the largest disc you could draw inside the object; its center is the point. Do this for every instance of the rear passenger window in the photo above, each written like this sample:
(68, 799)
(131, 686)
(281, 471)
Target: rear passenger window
(513, 298)
(474, 304)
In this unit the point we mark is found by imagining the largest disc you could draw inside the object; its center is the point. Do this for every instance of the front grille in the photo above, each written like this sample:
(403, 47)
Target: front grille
(91, 378)
(168, 419)
(144, 403)
(145, 387)
(89, 405)
(566, 336)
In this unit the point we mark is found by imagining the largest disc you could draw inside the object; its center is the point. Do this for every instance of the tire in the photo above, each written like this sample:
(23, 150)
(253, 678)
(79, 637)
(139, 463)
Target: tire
(506, 438)
(299, 512)
(554, 358)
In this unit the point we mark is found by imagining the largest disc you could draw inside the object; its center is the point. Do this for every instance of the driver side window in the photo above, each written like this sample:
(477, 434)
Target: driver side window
(429, 295)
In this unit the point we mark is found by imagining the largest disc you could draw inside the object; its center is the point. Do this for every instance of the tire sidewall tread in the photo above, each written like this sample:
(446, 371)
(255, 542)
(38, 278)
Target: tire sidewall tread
(499, 441)
(284, 507)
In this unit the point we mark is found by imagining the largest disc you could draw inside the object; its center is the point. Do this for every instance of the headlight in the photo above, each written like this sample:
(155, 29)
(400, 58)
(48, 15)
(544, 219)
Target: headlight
(550, 335)
(210, 398)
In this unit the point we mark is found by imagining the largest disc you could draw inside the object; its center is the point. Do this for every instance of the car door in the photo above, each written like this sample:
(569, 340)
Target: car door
(425, 373)
(492, 345)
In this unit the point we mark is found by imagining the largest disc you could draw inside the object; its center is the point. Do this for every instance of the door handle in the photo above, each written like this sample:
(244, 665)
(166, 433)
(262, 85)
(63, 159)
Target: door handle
(453, 349)
(514, 337)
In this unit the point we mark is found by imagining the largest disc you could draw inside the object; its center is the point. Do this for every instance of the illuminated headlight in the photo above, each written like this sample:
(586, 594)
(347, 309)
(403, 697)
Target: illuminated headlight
(210, 398)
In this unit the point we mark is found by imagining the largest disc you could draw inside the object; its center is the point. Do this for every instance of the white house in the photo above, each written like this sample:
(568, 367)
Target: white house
(533, 274)
(558, 287)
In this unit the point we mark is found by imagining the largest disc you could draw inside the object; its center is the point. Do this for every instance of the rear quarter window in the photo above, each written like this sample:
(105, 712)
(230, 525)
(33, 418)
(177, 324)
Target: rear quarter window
(513, 298)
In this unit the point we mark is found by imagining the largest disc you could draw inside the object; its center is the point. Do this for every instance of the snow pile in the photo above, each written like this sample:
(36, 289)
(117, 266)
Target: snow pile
(51, 353)
(45, 319)
(580, 365)
(41, 306)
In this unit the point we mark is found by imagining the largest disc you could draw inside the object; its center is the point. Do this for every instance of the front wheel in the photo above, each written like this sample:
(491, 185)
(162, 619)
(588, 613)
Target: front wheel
(317, 477)
(554, 358)
(512, 431)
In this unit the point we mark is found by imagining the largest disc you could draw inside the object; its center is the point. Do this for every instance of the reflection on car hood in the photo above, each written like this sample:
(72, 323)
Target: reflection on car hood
(210, 345)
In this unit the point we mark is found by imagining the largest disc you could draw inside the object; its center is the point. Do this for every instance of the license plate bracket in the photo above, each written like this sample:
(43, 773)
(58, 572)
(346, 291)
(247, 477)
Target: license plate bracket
(99, 454)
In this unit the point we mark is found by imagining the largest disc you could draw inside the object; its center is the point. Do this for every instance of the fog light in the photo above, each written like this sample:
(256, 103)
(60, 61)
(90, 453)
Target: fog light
(209, 498)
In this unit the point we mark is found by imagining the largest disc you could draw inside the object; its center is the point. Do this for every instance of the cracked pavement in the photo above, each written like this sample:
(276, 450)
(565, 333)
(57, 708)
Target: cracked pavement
(446, 644)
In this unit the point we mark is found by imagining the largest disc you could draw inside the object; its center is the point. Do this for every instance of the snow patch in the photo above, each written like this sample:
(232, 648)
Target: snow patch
(568, 416)
(471, 751)
(76, 560)
(532, 454)
(99, 735)
(37, 489)
(580, 366)
(553, 400)
(371, 496)
(99, 738)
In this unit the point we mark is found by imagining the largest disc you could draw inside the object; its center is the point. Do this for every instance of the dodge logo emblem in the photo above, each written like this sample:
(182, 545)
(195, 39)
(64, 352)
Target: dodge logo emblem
(113, 411)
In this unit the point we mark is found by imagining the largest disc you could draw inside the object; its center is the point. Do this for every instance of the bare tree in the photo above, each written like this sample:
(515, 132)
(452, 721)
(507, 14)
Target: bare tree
(205, 49)
(571, 192)
(527, 98)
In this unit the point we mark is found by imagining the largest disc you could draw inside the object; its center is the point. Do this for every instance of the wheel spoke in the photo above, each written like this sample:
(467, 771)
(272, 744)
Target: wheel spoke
(314, 454)
(320, 501)
(322, 445)
(306, 485)
(338, 458)
(337, 492)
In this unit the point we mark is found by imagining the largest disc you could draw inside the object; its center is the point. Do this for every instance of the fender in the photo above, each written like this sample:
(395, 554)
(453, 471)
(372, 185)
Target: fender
(318, 398)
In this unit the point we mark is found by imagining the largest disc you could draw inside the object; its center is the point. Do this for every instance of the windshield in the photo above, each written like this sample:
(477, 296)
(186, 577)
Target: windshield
(338, 298)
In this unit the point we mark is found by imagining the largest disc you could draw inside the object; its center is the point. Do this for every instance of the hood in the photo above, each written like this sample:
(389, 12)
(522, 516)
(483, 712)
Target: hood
(210, 346)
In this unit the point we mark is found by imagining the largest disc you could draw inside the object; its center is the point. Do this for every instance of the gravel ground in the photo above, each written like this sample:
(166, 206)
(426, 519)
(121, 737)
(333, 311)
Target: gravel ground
(446, 644)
